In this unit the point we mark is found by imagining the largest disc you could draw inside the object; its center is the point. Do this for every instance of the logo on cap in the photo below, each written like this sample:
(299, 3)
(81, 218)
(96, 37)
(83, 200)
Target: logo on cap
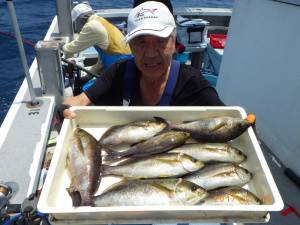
(145, 14)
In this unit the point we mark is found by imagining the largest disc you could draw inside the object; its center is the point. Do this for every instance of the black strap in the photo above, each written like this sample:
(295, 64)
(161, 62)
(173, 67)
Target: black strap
(171, 83)
(127, 81)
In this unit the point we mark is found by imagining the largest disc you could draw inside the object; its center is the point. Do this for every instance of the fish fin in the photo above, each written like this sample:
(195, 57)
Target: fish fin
(180, 180)
(68, 161)
(218, 126)
(162, 120)
(188, 121)
(75, 196)
(106, 160)
(105, 169)
(162, 188)
(125, 161)
(107, 148)
(112, 157)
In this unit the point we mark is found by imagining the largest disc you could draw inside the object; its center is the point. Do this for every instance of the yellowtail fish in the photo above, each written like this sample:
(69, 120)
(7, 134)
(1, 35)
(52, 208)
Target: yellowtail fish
(157, 144)
(157, 166)
(215, 129)
(211, 152)
(220, 175)
(131, 133)
(232, 196)
(151, 192)
(83, 164)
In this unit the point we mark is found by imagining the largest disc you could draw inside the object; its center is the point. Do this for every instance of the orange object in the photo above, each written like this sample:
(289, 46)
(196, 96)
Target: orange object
(218, 40)
(251, 118)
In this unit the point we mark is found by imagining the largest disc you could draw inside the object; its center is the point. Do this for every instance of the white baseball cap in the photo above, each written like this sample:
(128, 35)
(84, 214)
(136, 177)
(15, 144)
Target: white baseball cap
(80, 9)
(150, 18)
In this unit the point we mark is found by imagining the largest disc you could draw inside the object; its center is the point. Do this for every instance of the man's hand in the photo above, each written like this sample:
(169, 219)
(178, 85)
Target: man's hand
(63, 112)
(68, 114)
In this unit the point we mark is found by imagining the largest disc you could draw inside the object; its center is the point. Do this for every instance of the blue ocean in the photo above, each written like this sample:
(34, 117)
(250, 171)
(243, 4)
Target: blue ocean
(34, 17)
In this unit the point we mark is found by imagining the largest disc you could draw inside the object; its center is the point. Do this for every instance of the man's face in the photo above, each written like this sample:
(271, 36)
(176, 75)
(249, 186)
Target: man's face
(153, 54)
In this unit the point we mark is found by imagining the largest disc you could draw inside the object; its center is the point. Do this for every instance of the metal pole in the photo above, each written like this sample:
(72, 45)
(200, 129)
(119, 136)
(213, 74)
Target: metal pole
(64, 18)
(13, 17)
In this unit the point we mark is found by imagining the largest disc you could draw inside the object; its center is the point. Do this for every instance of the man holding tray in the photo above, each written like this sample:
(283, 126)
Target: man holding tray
(152, 77)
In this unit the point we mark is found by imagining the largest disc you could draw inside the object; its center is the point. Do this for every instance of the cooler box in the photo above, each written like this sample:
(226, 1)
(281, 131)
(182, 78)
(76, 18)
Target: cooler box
(191, 32)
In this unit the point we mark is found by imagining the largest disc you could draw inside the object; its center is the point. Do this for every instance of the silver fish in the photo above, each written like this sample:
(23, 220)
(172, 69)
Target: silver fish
(215, 129)
(151, 192)
(208, 152)
(158, 166)
(232, 196)
(83, 164)
(220, 175)
(131, 133)
(157, 144)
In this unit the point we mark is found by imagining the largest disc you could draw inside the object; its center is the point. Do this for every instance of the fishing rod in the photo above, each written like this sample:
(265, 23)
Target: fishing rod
(80, 67)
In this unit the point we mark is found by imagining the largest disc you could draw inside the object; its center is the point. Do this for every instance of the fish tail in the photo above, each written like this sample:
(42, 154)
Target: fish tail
(75, 196)
(87, 200)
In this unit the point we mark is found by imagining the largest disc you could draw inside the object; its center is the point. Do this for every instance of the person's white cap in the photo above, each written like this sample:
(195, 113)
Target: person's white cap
(150, 18)
(80, 9)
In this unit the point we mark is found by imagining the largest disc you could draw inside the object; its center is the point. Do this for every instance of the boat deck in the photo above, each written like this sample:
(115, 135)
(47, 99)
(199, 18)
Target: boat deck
(289, 191)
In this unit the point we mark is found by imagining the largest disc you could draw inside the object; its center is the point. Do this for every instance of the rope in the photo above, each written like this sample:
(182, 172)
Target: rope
(25, 41)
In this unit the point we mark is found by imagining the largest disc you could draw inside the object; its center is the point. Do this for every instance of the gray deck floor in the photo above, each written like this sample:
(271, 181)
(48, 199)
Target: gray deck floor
(289, 191)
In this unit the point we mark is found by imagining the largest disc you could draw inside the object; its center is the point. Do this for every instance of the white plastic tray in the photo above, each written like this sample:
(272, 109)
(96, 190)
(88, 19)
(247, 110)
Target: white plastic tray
(56, 201)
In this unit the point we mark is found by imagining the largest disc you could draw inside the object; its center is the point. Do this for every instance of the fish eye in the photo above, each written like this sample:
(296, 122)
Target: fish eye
(194, 160)
(194, 188)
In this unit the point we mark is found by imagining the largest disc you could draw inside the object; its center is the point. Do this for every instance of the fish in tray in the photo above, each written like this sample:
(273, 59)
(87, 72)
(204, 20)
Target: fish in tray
(220, 175)
(157, 144)
(157, 166)
(215, 129)
(83, 165)
(208, 152)
(151, 192)
(131, 133)
(231, 196)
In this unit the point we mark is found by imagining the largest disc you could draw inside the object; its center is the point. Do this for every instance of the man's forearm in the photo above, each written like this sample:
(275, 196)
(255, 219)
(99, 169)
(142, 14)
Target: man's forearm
(79, 100)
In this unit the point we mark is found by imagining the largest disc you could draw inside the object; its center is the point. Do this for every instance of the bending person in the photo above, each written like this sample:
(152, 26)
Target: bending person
(152, 78)
(98, 32)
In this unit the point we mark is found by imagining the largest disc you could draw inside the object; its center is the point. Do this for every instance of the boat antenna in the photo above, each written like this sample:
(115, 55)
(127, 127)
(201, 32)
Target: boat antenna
(14, 20)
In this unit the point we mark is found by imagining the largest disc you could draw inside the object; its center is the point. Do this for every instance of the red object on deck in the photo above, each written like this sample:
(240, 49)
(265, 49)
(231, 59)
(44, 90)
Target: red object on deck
(218, 40)
(290, 209)
(180, 48)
